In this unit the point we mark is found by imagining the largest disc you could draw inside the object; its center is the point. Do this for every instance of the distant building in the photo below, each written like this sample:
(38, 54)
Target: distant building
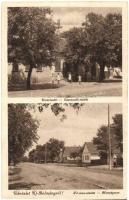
(42, 73)
(66, 154)
(88, 154)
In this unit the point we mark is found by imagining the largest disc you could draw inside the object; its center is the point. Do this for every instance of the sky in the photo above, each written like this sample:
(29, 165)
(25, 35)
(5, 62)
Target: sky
(74, 16)
(77, 128)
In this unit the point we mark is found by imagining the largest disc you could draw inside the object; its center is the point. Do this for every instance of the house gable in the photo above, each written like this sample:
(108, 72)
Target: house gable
(85, 150)
(86, 156)
(90, 153)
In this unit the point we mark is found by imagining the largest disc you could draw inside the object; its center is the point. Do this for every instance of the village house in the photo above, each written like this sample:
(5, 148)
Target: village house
(70, 154)
(88, 154)
(42, 73)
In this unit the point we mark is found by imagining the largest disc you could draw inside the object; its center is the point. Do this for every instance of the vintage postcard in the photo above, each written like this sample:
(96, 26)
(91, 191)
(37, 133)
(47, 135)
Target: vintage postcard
(64, 100)
(64, 50)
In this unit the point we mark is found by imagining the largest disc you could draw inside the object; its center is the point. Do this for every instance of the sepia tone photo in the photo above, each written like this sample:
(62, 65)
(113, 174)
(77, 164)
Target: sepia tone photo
(65, 146)
(64, 51)
(64, 100)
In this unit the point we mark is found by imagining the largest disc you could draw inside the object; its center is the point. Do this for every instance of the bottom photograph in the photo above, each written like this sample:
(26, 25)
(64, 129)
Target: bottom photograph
(65, 146)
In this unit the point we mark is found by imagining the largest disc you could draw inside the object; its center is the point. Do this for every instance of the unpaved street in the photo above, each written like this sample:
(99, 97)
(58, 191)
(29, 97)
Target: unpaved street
(72, 90)
(57, 176)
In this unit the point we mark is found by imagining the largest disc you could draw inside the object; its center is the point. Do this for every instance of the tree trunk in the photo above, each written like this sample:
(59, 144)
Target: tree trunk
(15, 67)
(101, 77)
(28, 85)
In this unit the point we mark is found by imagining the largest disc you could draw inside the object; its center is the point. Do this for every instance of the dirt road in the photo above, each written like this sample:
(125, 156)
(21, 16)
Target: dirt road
(72, 90)
(57, 176)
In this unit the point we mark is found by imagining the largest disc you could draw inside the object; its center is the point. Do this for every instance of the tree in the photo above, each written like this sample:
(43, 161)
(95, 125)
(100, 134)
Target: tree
(98, 40)
(101, 141)
(49, 151)
(102, 138)
(22, 131)
(31, 37)
(58, 108)
(74, 155)
(118, 130)
(32, 155)
(75, 51)
(54, 148)
(105, 39)
(24, 159)
(113, 39)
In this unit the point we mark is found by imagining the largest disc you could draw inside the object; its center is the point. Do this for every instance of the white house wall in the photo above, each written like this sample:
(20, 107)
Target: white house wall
(44, 76)
(95, 157)
(84, 160)
(85, 154)
(37, 77)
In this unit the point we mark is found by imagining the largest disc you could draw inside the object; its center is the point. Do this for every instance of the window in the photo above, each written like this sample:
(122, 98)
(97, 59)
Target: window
(87, 157)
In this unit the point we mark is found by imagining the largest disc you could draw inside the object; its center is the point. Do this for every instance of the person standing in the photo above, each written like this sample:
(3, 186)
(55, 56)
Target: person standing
(111, 72)
(79, 79)
(114, 160)
(106, 72)
(52, 69)
(52, 79)
(97, 71)
(70, 78)
(58, 78)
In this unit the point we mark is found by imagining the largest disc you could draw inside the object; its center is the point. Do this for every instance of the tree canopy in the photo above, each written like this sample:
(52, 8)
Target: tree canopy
(48, 152)
(99, 39)
(102, 138)
(22, 131)
(31, 37)
(118, 130)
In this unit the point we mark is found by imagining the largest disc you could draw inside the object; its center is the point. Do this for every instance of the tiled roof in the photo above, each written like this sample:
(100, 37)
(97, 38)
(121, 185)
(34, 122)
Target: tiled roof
(92, 148)
(69, 150)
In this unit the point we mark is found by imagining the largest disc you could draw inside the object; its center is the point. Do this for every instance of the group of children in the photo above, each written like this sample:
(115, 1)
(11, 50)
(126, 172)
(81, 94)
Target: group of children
(108, 71)
(70, 78)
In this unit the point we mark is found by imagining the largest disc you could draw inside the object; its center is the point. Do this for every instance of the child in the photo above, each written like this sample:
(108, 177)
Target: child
(52, 79)
(79, 79)
(70, 77)
(58, 78)
(106, 72)
(114, 161)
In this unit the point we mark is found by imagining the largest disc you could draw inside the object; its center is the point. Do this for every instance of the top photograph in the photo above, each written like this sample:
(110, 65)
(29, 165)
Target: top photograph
(64, 51)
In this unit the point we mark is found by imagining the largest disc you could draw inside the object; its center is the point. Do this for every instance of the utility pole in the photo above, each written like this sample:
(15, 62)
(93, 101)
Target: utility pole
(45, 153)
(109, 139)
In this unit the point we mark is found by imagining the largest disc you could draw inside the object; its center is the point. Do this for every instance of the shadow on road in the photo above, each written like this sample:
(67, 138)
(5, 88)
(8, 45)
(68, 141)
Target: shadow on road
(112, 81)
(21, 186)
(13, 171)
(42, 86)
(15, 180)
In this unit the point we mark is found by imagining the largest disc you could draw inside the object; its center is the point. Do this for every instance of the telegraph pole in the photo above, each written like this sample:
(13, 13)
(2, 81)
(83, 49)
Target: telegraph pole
(45, 153)
(109, 139)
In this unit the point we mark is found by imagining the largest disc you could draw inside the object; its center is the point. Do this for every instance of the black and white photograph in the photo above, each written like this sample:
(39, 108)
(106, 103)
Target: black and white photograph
(64, 51)
(65, 146)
